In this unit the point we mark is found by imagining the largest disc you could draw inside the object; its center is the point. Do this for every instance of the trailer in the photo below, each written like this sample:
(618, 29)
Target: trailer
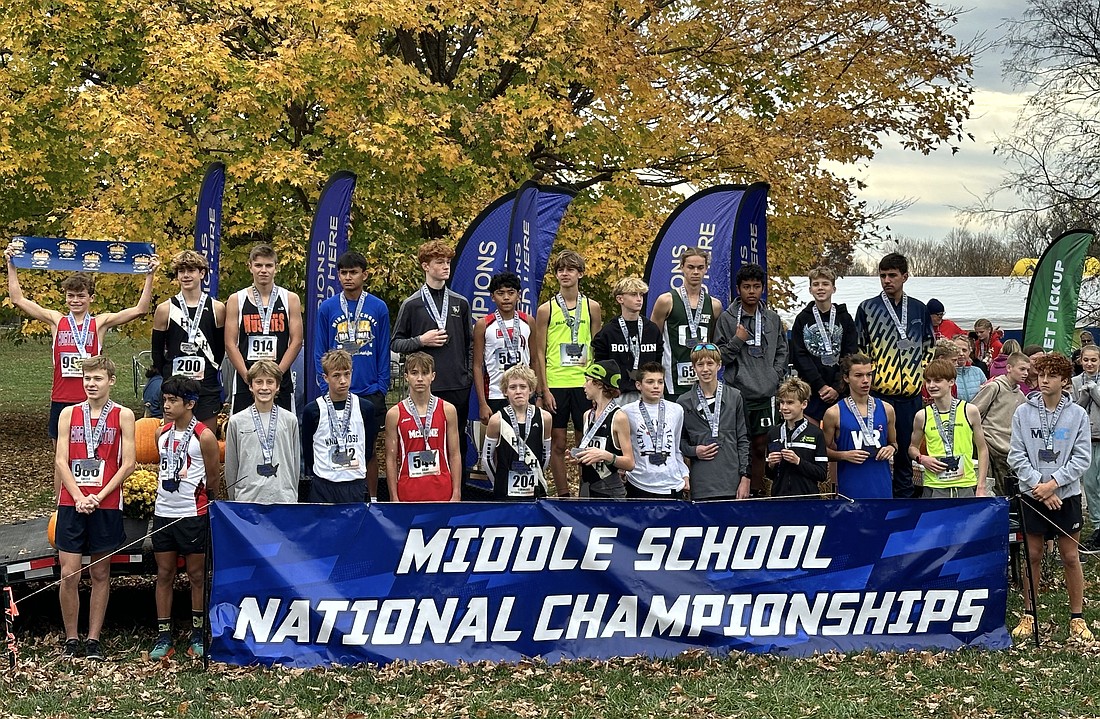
(28, 556)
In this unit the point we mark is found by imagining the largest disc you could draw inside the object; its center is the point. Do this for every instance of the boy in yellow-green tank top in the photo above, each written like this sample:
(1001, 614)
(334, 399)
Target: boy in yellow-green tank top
(951, 432)
(561, 349)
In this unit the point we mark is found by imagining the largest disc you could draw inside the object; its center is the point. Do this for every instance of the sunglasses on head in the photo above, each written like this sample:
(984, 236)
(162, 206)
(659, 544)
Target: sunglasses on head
(705, 346)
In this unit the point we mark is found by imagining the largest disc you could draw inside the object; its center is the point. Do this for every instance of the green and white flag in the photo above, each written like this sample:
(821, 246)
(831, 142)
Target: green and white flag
(1051, 311)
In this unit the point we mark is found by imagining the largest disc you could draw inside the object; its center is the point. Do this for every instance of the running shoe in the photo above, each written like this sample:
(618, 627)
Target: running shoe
(162, 649)
(1024, 629)
(1079, 630)
(71, 649)
(93, 650)
(195, 649)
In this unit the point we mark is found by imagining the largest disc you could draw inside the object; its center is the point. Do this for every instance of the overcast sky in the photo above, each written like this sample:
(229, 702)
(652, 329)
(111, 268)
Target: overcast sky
(941, 181)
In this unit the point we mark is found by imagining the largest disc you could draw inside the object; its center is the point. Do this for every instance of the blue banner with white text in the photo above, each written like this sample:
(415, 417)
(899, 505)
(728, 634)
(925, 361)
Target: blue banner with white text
(328, 239)
(750, 232)
(728, 221)
(533, 228)
(482, 253)
(71, 254)
(308, 585)
(208, 223)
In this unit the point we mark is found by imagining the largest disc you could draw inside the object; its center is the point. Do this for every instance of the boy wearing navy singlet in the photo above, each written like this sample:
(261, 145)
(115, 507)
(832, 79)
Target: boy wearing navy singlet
(93, 459)
(188, 339)
(860, 434)
(188, 477)
(77, 335)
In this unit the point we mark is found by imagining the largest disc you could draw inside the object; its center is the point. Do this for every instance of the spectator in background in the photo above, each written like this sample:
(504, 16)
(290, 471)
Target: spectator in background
(987, 341)
(1085, 391)
(942, 328)
(968, 378)
(1084, 339)
(1033, 352)
(999, 365)
(997, 401)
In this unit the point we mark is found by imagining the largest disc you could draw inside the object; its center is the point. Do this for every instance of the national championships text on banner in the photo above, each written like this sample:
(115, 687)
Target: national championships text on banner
(305, 585)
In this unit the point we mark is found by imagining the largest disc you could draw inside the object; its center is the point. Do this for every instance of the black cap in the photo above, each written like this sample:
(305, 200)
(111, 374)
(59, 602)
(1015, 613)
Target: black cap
(935, 307)
(605, 371)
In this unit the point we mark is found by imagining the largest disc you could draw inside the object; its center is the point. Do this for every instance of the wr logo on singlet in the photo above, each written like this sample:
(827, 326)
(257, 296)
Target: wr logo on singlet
(858, 440)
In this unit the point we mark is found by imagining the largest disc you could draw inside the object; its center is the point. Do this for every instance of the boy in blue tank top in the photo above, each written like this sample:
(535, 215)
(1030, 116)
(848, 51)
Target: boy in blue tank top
(860, 434)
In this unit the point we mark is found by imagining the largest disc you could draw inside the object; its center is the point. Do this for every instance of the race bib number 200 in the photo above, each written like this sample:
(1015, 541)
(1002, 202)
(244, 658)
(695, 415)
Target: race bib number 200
(189, 366)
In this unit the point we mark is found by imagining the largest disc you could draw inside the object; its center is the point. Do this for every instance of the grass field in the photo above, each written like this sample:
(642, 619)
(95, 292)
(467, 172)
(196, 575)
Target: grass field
(1059, 679)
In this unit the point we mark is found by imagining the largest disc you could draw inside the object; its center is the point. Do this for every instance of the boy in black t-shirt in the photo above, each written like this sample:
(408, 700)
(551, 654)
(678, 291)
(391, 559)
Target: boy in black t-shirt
(797, 461)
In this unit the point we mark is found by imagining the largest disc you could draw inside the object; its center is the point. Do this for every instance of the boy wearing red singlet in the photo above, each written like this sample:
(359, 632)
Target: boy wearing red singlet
(77, 335)
(190, 469)
(423, 454)
(95, 456)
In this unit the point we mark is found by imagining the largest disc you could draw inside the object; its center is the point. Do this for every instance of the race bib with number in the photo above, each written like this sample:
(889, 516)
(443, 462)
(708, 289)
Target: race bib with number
(71, 363)
(261, 347)
(168, 466)
(189, 366)
(521, 480)
(507, 359)
(574, 355)
(87, 472)
(344, 458)
(424, 464)
(685, 373)
(686, 340)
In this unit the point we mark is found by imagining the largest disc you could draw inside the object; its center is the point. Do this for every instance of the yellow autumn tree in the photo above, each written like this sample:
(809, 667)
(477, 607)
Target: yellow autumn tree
(110, 111)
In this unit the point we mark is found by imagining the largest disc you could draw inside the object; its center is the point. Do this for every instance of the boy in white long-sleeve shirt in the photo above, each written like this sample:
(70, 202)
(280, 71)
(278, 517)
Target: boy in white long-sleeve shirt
(655, 427)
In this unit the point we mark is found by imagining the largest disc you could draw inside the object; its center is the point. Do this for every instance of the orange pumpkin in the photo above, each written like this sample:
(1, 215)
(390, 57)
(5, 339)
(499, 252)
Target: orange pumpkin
(51, 529)
(146, 431)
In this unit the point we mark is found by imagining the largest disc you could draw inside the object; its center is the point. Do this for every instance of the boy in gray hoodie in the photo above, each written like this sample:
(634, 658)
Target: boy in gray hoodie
(754, 355)
(1086, 392)
(1050, 452)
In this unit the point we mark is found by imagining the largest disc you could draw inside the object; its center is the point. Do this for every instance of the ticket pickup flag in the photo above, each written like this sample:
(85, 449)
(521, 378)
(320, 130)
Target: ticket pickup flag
(208, 223)
(1051, 310)
(328, 239)
(729, 221)
(70, 254)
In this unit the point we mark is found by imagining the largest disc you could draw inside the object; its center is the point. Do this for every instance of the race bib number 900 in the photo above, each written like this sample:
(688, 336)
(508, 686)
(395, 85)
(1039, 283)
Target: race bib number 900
(87, 472)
